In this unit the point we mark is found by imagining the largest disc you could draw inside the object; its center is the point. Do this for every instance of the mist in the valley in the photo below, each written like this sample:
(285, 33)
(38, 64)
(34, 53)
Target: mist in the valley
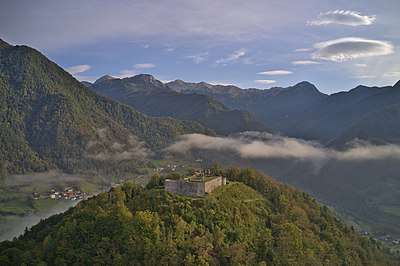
(15, 225)
(360, 180)
(258, 145)
(47, 178)
(102, 149)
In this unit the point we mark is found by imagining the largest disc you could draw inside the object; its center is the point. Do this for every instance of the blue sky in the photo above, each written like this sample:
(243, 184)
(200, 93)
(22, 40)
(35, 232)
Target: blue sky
(335, 45)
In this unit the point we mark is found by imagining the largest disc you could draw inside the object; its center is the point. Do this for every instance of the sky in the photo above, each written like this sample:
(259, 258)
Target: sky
(336, 45)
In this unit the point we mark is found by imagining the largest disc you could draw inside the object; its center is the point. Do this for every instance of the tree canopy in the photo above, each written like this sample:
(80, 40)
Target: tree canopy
(252, 220)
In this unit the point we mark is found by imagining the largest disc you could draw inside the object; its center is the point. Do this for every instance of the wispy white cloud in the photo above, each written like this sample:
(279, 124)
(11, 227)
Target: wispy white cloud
(265, 81)
(275, 72)
(198, 58)
(139, 19)
(364, 151)
(144, 66)
(101, 150)
(363, 77)
(247, 61)
(361, 65)
(220, 83)
(78, 69)
(254, 145)
(350, 48)
(169, 49)
(392, 74)
(343, 17)
(305, 63)
(303, 50)
(233, 57)
(251, 145)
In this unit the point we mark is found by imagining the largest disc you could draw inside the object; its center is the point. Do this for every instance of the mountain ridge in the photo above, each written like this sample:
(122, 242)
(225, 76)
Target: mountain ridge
(48, 117)
(301, 110)
(150, 96)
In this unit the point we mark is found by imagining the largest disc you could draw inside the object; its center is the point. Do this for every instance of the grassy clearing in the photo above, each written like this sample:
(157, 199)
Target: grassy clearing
(18, 206)
(88, 188)
(46, 205)
(16, 203)
(235, 191)
(142, 180)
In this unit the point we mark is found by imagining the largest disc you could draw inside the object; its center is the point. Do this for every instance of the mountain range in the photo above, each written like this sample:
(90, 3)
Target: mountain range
(304, 112)
(300, 111)
(152, 97)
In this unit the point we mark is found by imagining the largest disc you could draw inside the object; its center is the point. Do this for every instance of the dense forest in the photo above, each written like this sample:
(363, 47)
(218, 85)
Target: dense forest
(48, 119)
(251, 221)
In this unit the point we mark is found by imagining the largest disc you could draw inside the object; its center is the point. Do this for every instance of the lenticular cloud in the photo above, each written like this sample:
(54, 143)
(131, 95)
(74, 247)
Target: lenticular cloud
(343, 17)
(350, 48)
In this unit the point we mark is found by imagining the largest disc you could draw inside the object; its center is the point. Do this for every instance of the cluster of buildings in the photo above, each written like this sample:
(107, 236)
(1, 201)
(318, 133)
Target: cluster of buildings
(385, 238)
(169, 168)
(388, 238)
(68, 194)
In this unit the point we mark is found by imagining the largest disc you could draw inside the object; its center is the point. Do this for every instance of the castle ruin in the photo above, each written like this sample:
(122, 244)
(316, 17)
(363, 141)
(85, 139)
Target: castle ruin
(187, 187)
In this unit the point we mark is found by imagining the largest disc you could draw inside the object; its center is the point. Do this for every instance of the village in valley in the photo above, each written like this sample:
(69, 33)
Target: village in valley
(68, 193)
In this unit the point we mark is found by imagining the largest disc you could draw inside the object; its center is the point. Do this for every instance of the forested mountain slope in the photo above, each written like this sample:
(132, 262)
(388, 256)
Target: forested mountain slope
(249, 221)
(48, 119)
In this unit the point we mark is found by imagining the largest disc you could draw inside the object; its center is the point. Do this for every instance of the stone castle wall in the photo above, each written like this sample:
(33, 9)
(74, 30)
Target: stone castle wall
(193, 189)
(182, 187)
(212, 184)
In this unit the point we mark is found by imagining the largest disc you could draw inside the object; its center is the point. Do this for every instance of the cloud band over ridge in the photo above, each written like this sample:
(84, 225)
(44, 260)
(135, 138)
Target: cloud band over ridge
(258, 145)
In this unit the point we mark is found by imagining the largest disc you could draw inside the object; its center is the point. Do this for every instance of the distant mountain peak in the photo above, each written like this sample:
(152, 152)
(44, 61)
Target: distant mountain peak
(104, 78)
(144, 77)
(304, 83)
(178, 81)
(146, 80)
(305, 86)
(397, 85)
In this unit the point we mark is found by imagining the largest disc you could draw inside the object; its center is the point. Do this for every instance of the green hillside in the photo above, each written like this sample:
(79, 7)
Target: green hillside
(48, 119)
(251, 221)
(379, 126)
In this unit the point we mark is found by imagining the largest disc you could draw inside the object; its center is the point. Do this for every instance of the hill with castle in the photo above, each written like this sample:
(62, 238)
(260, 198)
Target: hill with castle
(251, 220)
